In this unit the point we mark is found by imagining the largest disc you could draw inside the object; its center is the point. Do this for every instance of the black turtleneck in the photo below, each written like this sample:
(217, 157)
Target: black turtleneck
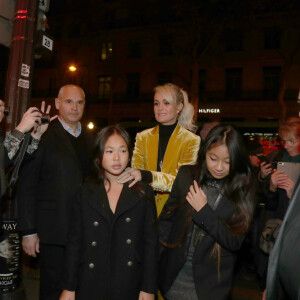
(165, 132)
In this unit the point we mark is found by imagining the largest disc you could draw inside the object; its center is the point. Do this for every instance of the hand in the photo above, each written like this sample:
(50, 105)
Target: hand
(67, 295)
(146, 296)
(2, 107)
(39, 128)
(31, 245)
(287, 185)
(265, 170)
(264, 295)
(29, 119)
(196, 197)
(130, 174)
(277, 178)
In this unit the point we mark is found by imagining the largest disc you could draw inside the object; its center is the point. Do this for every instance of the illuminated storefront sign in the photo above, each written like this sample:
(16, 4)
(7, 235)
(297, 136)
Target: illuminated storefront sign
(209, 111)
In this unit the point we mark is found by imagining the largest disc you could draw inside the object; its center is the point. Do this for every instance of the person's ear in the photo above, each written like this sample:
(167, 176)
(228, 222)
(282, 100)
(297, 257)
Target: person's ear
(98, 161)
(179, 108)
(57, 103)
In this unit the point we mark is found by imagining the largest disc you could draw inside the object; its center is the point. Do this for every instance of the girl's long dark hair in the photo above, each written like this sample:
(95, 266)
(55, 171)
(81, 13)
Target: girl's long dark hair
(98, 172)
(237, 186)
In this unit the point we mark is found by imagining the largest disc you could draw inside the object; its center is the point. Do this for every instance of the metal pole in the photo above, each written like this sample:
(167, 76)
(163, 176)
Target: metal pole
(20, 67)
(17, 97)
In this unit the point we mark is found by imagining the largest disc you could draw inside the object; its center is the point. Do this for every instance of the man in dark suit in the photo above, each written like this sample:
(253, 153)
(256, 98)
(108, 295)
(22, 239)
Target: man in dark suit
(48, 184)
(283, 279)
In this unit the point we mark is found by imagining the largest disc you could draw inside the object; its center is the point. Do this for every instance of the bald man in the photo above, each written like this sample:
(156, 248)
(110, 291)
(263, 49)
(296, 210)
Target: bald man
(48, 185)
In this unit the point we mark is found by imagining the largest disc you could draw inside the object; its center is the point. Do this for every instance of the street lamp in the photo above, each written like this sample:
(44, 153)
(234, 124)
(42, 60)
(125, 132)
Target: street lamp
(90, 125)
(72, 68)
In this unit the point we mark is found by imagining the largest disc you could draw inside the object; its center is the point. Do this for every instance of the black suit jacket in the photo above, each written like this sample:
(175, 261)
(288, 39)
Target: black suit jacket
(172, 231)
(123, 251)
(47, 186)
(283, 277)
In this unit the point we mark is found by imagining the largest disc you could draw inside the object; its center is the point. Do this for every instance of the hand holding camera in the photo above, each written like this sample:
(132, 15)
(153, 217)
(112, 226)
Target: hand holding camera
(33, 119)
(41, 124)
(30, 118)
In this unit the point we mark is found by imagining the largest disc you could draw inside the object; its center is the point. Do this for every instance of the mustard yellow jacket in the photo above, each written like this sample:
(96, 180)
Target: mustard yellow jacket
(182, 149)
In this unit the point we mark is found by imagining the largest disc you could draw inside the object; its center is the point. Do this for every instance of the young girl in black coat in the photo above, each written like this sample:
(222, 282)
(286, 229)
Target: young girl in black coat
(112, 252)
(205, 220)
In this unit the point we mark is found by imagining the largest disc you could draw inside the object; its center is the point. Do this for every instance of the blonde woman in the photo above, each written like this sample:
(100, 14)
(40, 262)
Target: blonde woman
(160, 151)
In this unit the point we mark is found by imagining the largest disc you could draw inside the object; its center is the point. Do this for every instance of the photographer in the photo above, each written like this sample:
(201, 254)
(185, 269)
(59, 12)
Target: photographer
(9, 146)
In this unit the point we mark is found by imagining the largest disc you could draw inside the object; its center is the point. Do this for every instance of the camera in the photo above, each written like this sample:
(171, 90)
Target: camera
(45, 118)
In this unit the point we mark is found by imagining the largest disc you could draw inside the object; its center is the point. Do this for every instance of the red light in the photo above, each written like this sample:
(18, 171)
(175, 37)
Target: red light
(21, 17)
(22, 11)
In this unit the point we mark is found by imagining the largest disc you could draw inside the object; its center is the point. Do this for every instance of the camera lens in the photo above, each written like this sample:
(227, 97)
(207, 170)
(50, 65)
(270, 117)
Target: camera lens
(45, 118)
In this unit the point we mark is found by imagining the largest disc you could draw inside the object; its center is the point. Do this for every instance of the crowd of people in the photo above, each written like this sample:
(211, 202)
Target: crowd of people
(165, 219)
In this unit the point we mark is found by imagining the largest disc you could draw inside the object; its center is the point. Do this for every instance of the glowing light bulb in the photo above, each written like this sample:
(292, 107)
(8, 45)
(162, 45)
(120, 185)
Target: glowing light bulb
(91, 125)
(72, 68)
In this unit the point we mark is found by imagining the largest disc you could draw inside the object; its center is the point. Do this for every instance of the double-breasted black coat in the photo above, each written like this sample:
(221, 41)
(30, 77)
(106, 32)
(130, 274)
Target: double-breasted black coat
(112, 259)
(172, 229)
(47, 185)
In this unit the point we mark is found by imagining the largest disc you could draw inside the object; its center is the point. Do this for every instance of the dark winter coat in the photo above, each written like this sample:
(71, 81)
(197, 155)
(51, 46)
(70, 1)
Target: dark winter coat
(48, 184)
(171, 230)
(112, 260)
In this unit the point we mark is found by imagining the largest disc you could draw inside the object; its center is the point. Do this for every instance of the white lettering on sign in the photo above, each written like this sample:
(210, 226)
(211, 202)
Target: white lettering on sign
(209, 110)
(12, 226)
(25, 70)
(47, 42)
(23, 83)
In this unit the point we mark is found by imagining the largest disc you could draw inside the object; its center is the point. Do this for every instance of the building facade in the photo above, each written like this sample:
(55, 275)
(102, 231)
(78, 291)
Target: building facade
(237, 63)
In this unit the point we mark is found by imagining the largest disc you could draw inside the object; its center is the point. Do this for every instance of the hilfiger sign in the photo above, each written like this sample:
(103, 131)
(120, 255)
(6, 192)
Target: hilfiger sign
(209, 111)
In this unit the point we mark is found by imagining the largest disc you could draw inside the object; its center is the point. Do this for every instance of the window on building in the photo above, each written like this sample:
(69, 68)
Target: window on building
(104, 88)
(272, 76)
(133, 87)
(165, 45)
(234, 83)
(164, 77)
(234, 40)
(134, 49)
(272, 38)
(106, 51)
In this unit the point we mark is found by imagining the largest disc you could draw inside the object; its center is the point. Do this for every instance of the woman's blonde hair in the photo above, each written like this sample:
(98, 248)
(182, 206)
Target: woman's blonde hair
(175, 95)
